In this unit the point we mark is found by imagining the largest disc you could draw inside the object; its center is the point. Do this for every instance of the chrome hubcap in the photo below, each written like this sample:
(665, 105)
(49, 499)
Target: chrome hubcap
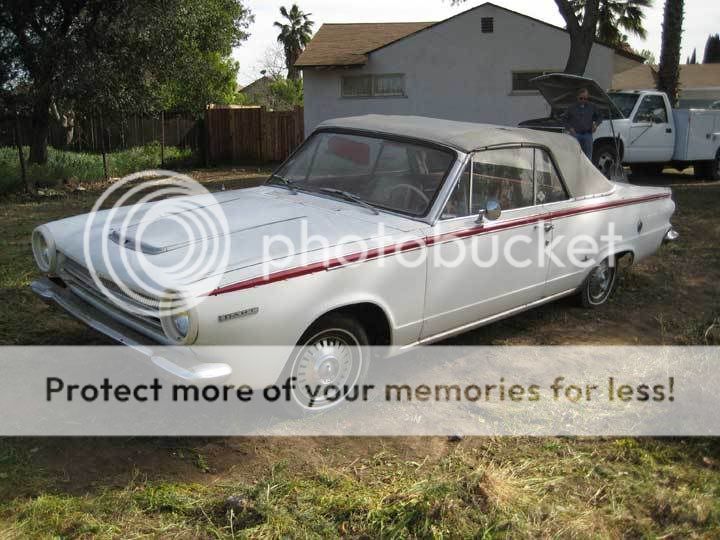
(601, 281)
(325, 367)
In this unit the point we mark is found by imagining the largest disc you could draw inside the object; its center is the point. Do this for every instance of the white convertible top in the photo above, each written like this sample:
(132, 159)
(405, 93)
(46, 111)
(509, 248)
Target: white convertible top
(580, 175)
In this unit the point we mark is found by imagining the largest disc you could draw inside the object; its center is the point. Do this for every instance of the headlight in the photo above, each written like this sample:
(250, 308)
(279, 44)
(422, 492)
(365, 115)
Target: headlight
(43, 247)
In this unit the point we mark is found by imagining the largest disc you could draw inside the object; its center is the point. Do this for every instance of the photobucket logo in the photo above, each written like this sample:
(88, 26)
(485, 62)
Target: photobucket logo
(541, 248)
(161, 245)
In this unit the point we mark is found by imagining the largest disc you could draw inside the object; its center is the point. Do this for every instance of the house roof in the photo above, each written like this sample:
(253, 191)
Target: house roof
(580, 174)
(349, 44)
(262, 81)
(692, 76)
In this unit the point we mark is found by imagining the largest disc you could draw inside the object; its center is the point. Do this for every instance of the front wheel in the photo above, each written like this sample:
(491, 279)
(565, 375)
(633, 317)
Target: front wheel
(600, 284)
(605, 158)
(331, 358)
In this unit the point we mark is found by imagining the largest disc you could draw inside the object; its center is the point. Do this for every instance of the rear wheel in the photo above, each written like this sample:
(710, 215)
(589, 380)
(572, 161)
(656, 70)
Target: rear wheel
(605, 158)
(600, 284)
(708, 170)
(329, 360)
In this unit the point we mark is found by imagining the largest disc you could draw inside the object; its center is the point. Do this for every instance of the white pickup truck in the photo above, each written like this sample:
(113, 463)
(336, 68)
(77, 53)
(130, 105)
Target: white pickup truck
(646, 133)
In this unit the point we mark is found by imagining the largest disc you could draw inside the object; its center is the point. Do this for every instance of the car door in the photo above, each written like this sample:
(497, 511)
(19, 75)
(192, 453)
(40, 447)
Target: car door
(651, 134)
(478, 270)
(561, 232)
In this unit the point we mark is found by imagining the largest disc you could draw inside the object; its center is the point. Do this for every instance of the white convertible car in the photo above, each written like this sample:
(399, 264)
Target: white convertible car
(395, 231)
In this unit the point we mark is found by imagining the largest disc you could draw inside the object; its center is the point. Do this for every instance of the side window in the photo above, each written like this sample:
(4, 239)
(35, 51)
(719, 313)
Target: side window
(652, 109)
(549, 186)
(505, 175)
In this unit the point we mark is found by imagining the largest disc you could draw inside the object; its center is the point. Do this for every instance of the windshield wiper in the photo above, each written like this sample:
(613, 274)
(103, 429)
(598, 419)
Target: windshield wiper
(289, 183)
(350, 197)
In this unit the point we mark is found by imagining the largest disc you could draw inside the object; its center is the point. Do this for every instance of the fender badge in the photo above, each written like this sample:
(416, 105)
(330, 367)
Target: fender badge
(238, 314)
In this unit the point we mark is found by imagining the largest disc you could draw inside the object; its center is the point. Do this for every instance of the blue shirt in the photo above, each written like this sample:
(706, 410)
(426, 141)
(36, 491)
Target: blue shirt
(581, 116)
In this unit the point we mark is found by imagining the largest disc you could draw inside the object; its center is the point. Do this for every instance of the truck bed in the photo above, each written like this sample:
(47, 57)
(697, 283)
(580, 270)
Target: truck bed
(697, 134)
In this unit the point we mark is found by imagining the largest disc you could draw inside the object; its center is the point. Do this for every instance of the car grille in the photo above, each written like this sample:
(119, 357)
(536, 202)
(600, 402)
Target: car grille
(82, 285)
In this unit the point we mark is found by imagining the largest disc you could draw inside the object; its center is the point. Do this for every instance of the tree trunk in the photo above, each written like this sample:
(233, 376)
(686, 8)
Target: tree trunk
(669, 70)
(29, 186)
(580, 47)
(40, 122)
(582, 33)
(103, 151)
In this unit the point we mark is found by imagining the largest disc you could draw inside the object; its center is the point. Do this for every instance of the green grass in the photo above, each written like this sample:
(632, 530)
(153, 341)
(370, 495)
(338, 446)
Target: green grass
(480, 488)
(65, 166)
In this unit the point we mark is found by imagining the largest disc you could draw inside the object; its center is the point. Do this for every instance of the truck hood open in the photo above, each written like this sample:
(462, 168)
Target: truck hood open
(560, 91)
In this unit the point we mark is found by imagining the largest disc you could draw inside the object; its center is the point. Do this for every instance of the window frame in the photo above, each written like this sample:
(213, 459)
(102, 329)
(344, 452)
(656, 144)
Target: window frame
(428, 216)
(373, 92)
(468, 163)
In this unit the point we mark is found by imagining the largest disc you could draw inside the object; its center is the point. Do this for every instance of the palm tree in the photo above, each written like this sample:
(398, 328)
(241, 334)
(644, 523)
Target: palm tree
(294, 36)
(616, 16)
(669, 70)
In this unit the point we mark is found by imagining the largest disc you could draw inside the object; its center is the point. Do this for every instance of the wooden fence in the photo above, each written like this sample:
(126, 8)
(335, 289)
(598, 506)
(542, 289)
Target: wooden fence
(251, 134)
(178, 129)
(227, 134)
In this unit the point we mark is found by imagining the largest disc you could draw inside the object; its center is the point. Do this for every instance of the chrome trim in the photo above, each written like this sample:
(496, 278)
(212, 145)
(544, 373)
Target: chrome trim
(671, 236)
(199, 373)
(488, 320)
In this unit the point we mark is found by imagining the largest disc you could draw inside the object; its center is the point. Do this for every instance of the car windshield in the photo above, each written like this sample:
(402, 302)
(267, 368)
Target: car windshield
(398, 176)
(625, 102)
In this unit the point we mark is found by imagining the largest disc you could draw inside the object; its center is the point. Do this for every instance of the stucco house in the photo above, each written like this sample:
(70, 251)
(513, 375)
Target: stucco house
(474, 66)
(699, 83)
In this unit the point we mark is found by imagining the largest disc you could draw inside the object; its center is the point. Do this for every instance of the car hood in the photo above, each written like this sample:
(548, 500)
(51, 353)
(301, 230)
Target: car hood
(560, 91)
(262, 224)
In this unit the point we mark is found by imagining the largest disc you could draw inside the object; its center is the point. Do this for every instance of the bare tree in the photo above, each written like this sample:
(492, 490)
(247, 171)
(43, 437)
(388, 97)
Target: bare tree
(272, 63)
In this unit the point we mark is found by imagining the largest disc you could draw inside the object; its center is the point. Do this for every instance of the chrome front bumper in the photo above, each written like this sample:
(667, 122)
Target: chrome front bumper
(184, 365)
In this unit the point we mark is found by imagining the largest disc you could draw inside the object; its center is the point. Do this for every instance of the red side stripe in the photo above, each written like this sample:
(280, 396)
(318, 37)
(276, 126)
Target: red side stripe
(386, 251)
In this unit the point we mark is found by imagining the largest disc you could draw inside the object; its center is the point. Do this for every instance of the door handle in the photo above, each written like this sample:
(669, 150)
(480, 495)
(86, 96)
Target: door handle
(668, 130)
(549, 227)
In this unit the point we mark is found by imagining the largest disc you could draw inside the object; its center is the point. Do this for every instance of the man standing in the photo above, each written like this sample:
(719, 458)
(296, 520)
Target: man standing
(581, 121)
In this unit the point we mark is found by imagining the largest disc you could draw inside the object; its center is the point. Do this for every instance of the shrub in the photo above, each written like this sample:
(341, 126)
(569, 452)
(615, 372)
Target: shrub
(85, 167)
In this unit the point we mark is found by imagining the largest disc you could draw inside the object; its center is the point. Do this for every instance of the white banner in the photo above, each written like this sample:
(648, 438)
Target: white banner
(174, 391)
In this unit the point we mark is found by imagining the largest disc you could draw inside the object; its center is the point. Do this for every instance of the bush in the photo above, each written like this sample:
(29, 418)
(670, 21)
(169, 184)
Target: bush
(85, 167)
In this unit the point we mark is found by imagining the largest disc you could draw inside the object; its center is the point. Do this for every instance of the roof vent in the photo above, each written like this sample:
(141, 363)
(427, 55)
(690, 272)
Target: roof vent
(487, 25)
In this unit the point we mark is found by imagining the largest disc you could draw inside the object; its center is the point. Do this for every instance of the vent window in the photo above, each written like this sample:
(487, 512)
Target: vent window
(487, 25)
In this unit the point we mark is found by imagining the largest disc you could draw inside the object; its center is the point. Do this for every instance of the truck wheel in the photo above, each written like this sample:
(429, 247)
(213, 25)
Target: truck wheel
(605, 158)
(599, 285)
(331, 357)
(708, 170)
(647, 170)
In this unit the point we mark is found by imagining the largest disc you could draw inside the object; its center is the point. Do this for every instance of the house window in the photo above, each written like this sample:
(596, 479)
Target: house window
(357, 86)
(521, 79)
(487, 25)
(389, 85)
(392, 85)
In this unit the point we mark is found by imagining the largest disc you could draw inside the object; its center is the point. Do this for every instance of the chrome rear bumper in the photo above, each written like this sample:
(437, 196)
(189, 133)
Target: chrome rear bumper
(184, 366)
(671, 236)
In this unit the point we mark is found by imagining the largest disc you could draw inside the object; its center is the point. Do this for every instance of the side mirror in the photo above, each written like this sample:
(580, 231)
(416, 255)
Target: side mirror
(491, 212)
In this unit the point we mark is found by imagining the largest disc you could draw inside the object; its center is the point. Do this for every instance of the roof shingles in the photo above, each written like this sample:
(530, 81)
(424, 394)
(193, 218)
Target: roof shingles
(348, 44)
